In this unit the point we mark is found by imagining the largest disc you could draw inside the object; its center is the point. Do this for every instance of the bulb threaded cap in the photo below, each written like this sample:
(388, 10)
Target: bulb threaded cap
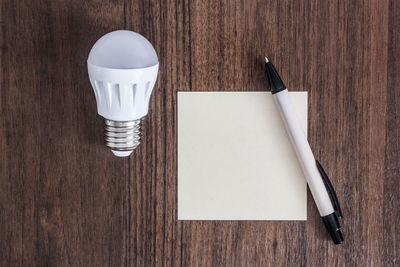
(122, 137)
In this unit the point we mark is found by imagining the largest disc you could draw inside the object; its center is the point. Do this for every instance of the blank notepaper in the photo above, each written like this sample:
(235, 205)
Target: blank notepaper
(235, 160)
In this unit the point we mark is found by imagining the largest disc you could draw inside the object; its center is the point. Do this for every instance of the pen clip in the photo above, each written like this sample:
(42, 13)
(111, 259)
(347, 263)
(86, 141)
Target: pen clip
(331, 190)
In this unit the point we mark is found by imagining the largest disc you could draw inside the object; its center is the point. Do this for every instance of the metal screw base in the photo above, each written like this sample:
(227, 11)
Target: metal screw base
(122, 135)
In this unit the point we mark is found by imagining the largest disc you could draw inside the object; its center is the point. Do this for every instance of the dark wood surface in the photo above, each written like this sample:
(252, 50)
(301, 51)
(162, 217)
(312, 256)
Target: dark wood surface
(65, 200)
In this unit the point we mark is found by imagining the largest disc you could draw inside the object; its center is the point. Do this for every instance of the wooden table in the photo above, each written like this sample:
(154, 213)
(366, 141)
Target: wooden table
(65, 200)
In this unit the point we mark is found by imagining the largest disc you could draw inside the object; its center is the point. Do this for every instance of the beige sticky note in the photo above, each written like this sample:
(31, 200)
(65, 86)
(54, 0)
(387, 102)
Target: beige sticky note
(235, 160)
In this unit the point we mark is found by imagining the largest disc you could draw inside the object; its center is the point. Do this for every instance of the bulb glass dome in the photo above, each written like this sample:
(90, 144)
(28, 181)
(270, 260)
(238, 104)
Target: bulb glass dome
(123, 50)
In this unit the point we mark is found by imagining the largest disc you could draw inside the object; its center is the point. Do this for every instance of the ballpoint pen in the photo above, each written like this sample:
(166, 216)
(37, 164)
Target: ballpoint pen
(321, 188)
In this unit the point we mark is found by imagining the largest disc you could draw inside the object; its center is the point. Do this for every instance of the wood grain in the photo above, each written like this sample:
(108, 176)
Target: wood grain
(65, 200)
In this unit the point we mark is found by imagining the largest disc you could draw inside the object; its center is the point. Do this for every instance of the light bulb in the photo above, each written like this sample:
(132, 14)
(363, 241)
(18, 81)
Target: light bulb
(123, 68)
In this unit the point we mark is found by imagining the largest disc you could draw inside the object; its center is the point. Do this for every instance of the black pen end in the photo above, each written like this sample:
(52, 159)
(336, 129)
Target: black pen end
(274, 79)
(331, 223)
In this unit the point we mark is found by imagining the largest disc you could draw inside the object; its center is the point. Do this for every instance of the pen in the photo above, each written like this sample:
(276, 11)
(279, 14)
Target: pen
(321, 188)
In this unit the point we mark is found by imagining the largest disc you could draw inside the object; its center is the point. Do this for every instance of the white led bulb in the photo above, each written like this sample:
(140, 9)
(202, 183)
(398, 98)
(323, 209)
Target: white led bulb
(123, 67)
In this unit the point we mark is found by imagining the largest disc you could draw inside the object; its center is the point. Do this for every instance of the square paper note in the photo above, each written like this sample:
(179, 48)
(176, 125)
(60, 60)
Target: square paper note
(235, 160)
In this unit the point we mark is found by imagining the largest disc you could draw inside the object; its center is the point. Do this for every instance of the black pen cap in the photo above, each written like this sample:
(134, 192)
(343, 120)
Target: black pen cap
(331, 222)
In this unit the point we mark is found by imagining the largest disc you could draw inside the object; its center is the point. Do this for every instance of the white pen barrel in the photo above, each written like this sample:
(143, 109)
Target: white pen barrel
(303, 152)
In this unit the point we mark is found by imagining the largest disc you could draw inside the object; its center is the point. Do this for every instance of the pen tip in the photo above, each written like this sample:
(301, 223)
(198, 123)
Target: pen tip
(266, 60)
